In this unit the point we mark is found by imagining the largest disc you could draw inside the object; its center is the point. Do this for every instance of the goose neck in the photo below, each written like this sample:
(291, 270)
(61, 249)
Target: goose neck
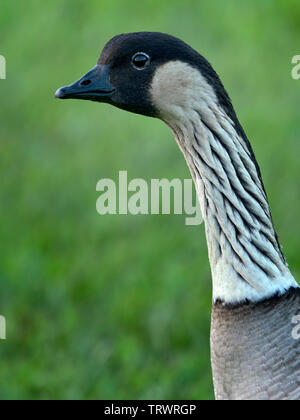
(246, 259)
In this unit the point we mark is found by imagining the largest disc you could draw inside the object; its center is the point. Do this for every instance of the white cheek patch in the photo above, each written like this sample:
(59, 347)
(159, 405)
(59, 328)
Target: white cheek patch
(177, 87)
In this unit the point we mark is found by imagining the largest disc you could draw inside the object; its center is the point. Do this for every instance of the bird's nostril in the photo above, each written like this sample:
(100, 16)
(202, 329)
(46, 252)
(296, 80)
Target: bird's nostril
(85, 82)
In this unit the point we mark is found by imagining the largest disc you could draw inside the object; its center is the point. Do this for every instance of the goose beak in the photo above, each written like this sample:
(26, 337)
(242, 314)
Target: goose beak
(94, 86)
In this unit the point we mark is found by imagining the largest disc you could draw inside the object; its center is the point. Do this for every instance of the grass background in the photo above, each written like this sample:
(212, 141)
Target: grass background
(119, 306)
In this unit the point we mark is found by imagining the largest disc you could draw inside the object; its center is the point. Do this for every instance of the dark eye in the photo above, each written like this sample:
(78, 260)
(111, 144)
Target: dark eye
(140, 60)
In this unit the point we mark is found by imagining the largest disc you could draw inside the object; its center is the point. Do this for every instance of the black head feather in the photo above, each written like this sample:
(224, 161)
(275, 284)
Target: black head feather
(161, 49)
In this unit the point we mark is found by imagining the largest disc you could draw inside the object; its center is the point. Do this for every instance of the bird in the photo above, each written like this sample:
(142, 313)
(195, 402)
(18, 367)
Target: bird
(254, 354)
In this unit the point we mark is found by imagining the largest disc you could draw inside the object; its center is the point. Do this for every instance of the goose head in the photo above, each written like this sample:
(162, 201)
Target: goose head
(149, 73)
(157, 75)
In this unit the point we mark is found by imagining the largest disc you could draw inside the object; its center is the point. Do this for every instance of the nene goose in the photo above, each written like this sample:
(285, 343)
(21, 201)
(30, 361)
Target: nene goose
(255, 297)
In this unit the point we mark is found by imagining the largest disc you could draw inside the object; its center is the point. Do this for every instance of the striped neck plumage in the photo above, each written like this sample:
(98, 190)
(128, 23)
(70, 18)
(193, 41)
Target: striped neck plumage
(246, 260)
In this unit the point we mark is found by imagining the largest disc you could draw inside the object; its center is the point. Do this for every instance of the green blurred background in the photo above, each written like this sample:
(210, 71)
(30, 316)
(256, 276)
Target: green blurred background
(118, 307)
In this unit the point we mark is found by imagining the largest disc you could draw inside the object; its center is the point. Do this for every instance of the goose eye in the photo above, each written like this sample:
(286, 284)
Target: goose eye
(140, 60)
